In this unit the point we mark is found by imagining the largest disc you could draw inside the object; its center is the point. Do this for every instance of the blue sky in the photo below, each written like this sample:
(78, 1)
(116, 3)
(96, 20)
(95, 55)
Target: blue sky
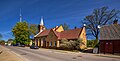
(55, 12)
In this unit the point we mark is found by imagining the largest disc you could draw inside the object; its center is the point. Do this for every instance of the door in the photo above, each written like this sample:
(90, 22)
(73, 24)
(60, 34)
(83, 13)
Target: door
(102, 46)
(109, 47)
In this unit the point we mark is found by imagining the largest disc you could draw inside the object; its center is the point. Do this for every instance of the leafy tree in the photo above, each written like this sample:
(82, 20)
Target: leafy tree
(2, 42)
(21, 33)
(1, 36)
(65, 26)
(90, 43)
(99, 17)
(10, 39)
(33, 29)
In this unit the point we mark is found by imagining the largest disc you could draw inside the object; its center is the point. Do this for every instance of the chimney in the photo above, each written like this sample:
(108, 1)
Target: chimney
(75, 27)
(115, 21)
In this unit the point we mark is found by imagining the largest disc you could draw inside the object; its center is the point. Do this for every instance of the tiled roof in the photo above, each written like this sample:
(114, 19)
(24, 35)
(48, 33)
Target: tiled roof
(43, 33)
(70, 34)
(110, 32)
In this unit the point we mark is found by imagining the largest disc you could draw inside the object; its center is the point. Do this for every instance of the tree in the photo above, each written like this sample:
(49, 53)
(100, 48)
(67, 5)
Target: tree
(21, 33)
(65, 26)
(10, 39)
(1, 36)
(90, 43)
(33, 29)
(2, 42)
(99, 17)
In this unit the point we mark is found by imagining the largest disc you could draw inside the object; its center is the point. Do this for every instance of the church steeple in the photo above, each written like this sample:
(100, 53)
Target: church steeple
(41, 25)
(20, 16)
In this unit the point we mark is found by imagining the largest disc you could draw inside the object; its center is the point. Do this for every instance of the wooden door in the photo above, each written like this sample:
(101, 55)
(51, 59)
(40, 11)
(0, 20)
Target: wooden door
(102, 46)
(117, 46)
(109, 47)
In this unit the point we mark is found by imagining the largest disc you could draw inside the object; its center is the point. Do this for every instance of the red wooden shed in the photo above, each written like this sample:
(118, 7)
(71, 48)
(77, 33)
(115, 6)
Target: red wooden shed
(110, 39)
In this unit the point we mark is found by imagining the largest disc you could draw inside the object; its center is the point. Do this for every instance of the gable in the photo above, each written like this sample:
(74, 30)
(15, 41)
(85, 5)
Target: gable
(43, 33)
(51, 36)
(59, 29)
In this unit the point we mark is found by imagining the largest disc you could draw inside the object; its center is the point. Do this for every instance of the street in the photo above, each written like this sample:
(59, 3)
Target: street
(41, 54)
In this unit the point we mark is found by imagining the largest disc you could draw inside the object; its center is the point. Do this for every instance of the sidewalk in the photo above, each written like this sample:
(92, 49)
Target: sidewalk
(100, 55)
(108, 55)
(7, 55)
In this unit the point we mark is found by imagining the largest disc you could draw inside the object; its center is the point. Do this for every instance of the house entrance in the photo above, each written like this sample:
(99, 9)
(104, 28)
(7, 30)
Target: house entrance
(108, 47)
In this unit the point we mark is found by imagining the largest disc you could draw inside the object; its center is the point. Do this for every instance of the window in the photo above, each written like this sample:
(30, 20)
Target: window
(50, 43)
(47, 44)
(55, 43)
(106, 43)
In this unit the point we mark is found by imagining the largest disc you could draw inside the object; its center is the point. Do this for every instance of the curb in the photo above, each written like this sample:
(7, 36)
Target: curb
(109, 56)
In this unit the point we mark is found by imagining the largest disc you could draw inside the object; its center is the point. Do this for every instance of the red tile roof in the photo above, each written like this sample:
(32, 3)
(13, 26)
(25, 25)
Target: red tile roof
(43, 33)
(71, 34)
(68, 34)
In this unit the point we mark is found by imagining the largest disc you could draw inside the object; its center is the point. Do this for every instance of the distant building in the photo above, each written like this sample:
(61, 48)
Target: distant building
(52, 37)
(110, 38)
(10, 42)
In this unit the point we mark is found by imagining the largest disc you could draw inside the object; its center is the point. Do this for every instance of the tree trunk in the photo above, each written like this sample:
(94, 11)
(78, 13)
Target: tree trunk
(96, 41)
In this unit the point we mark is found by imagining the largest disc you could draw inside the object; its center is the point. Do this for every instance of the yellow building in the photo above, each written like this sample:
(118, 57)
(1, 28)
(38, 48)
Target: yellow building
(52, 37)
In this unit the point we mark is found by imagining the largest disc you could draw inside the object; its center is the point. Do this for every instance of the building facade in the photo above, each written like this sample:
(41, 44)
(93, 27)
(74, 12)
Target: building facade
(52, 37)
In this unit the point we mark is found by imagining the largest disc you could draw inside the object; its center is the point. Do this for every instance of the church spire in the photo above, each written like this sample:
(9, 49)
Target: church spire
(41, 23)
(20, 16)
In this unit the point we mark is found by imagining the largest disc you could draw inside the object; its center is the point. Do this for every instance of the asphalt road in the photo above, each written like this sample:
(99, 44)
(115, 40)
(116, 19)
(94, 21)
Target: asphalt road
(53, 55)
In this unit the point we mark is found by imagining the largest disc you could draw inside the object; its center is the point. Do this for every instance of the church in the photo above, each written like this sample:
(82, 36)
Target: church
(52, 37)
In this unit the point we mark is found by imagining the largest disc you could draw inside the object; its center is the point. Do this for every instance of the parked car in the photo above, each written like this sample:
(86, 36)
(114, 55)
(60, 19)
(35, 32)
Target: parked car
(22, 45)
(16, 44)
(34, 47)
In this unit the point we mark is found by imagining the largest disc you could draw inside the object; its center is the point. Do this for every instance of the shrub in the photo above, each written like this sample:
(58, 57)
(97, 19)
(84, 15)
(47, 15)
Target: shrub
(70, 45)
(90, 43)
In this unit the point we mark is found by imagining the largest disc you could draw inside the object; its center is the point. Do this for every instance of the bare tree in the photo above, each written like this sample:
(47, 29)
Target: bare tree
(99, 17)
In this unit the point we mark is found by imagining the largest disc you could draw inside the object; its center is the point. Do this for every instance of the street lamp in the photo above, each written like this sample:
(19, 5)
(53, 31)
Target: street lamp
(84, 24)
(98, 38)
(98, 27)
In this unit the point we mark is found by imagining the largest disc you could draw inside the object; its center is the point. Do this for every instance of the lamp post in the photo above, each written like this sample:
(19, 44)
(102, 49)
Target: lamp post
(98, 38)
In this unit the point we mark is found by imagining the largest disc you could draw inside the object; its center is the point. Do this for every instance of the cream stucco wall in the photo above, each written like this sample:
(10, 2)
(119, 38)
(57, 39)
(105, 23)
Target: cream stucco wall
(60, 29)
(83, 37)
